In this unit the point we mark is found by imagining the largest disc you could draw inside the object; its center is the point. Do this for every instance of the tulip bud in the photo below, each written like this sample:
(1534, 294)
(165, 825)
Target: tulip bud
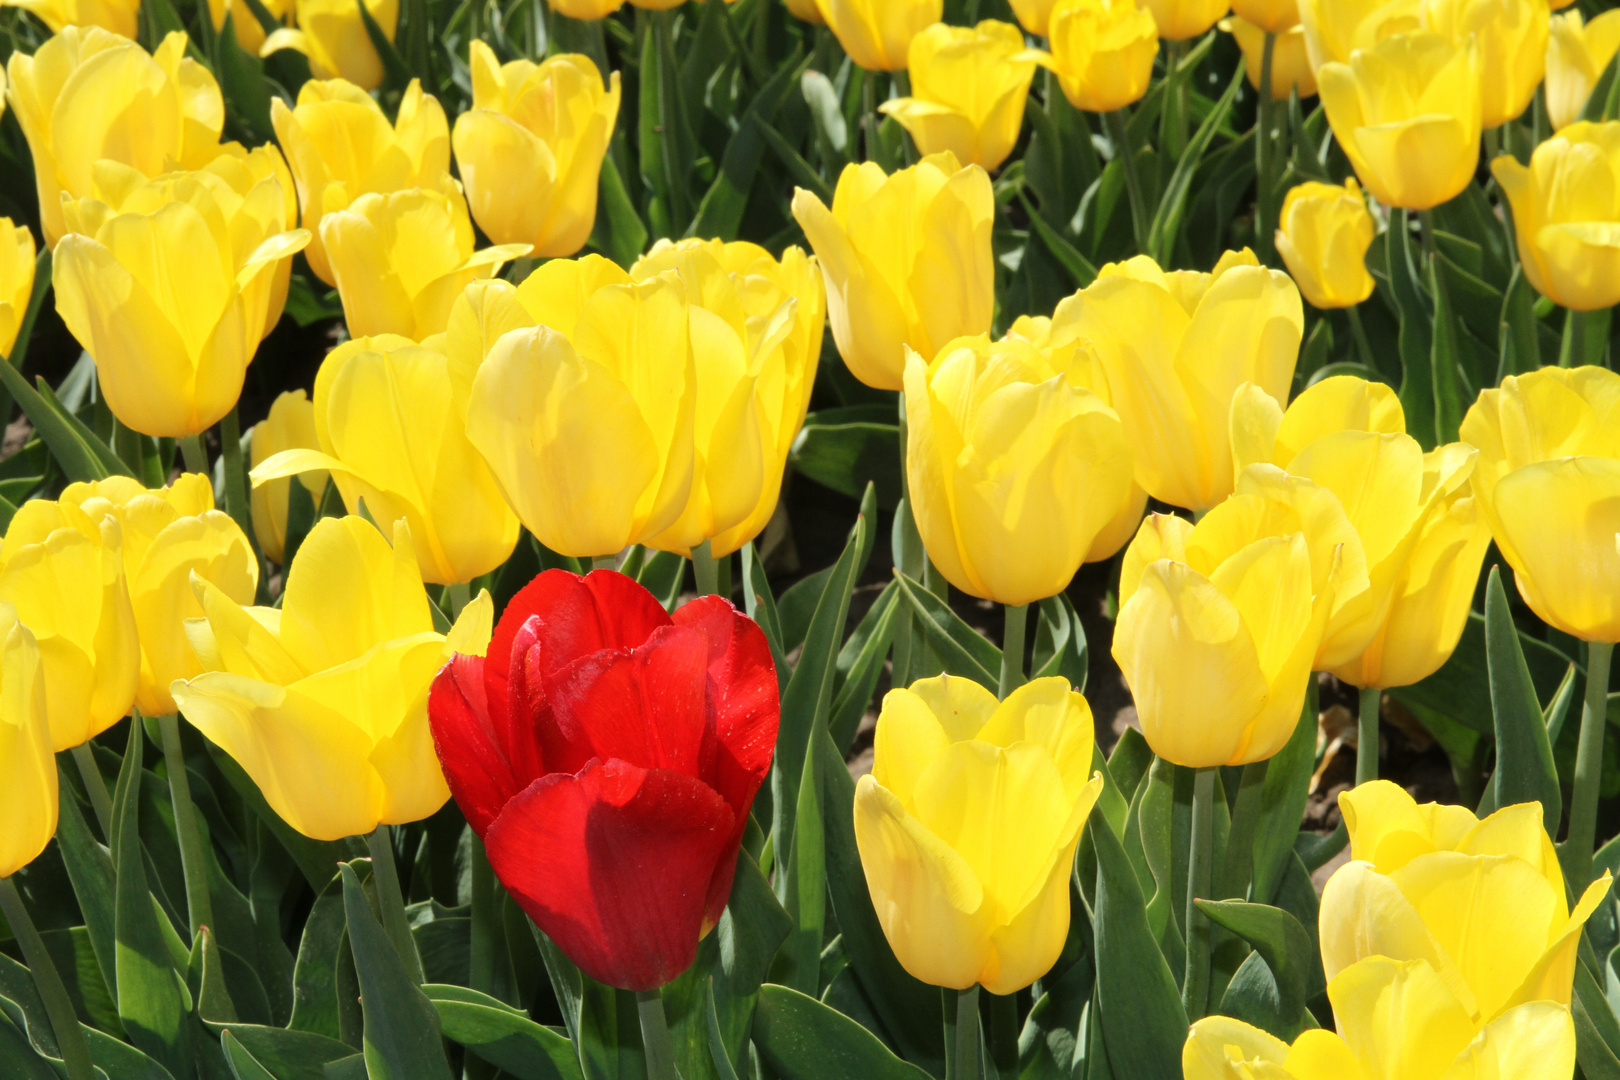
(324, 702)
(876, 35)
(1220, 622)
(586, 9)
(907, 260)
(1565, 204)
(28, 792)
(170, 535)
(341, 146)
(16, 280)
(968, 823)
(1270, 16)
(1013, 470)
(1179, 20)
(1290, 68)
(1177, 346)
(121, 17)
(334, 38)
(88, 94)
(1577, 54)
(1547, 481)
(290, 426)
(1102, 52)
(400, 260)
(245, 24)
(1482, 901)
(1323, 239)
(805, 10)
(531, 148)
(969, 88)
(1407, 113)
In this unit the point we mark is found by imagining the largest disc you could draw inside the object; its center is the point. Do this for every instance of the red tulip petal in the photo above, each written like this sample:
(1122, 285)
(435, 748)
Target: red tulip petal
(474, 763)
(747, 705)
(614, 864)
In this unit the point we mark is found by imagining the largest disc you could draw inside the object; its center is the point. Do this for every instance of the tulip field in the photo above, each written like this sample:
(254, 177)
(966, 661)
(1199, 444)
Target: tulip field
(809, 540)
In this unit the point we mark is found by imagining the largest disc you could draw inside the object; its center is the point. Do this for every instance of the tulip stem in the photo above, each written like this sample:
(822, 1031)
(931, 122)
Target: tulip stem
(193, 857)
(604, 562)
(969, 1055)
(193, 454)
(1200, 865)
(706, 570)
(1012, 648)
(1573, 350)
(1262, 152)
(1359, 332)
(1367, 735)
(457, 593)
(236, 497)
(392, 901)
(655, 1036)
(95, 785)
(70, 1041)
(1583, 802)
(1238, 869)
(486, 926)
(1121, 139)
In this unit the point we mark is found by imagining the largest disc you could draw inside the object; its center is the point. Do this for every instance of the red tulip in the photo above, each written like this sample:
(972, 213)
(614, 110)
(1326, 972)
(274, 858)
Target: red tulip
(607, 753)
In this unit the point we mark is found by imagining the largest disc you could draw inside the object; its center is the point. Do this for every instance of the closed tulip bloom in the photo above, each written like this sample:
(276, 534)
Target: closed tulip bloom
(1548, 483)
(89, 94)
(876, 33)
(390, 436)
(1482, 902)
(968, 823)
(323, 701)
(1577, 54)
(1271, 16)
(586, 9)
(1034, 15)
(1407, 113)
(807, 10)
(122, 17)
(28, 793)
(1177, 346)
(16, 280)
(1179, 20)
(968, 90)
(1334, 29)
(341, 146)
(531, 148)
(334, 38)
(246, 26)
(1512, 40)
(907, 261)
(402, 258)
(1290, 68)
(1566, 214)
(1013, 470)
(1102, 52)
(171, 283)
(170, 535)
(607, 754)
(63, 572)
(1220, 622)
(290, 426)
(1323, 239)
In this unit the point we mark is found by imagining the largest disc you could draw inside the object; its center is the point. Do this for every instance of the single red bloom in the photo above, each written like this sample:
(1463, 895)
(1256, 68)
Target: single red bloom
(607, 754)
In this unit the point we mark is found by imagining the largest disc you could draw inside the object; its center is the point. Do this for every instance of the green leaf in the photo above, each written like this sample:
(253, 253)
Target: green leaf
(1461, 688)
(244, 1066)
(867, 648)
(802, 888)
(289, 1055)
(1060, 642)
(602, 1022)
(799, 1038)
(620, 232)
(17, 1058)
(760, 605)
(80, 453)
(315, 974)
(317, 859)
(396, 73)
(1081, 272)
(1416, 346)
(963, 649)
(502, 1035)
(1597, 1034)
(1280, 941)
(90, 868)
(1282, 802)
(1525, 771)
(1252, 996)
(847, 447)
(1444, 358)
(1172, 204)
(721, 211)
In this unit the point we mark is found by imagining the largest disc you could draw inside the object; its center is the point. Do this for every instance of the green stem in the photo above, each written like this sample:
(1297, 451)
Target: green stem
(1359, 332)
(192, 452)
(1262, 154)
(1195, 987)
(95, 785)
(1012, 648)
(193, 857)
(705, 570)
(1238, 870)
(70, 1039)
(604, 562)
(1175, 128)
(486, 921)
(459, 593)
(655, 1038)
(869, 106)
(1572, 352)
(1583, 803)
(236, 496)
(392, 901)
(969, 1055)
(1367, 735)
(1140, 215)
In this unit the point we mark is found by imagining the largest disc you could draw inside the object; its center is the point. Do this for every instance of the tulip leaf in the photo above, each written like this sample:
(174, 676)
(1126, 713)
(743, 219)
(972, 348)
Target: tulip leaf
(289, 1055)
(502, 1035)
(1081, 272)
(1444, 357)
(1173, 203)
(799, 170)
(799, 1038)
(1282, 802)
(721, 211)
(962, 649)
(77, 449)
(1416, 344)
(602, 1022)
(1129, 761)
(1597, 1034)
(1525, 771)
(396, 73)
(802, 887)
(861, 664)
(315, 974)
(619, 231)
(17, 1058)
(89, 867)
(761, 607)
(1279, 939)
(1461, 688)
(316, 859)
(1252, 996)
(243, 1065)
(849, 446)
(718, 1054)
(1060, 642)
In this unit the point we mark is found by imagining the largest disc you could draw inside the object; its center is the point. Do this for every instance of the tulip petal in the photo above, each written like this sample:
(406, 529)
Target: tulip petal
(1052, 715)
(1553, 976)
(475, 763)
(1216, 1043)
(1558, 521)
(1399, 1018)
(1535, 1041)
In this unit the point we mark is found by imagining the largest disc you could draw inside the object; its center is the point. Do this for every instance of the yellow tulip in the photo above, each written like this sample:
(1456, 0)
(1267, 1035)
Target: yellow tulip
(1013, 470)
(1577, 54)
(62, 571)
(341, 146)
(1396, 1021)
(1566, 213)
(88, 94)
(249, 31)
(323, 701)
(1407, 113)
(17, 257)
(1512, 39)
(1323, 239)
(389, 434)
(1481, 901)
(1177, 346)
(1335, 29)
(586, 9)
(333, 37)
(1102, 52)
(969, 88)
(122, 17)
(1179, 20)
(290, 426)
(1273, 16)
(531, 148)
(907, 261)
(967, 827)
(1034, 16)
(1548, 483)
(171, 283)
(169, 536)
(1290, 68)
(400, 259)
(1420, 532)
(805, 10)
(28, 794)
(876, 33)
(1220, 622)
